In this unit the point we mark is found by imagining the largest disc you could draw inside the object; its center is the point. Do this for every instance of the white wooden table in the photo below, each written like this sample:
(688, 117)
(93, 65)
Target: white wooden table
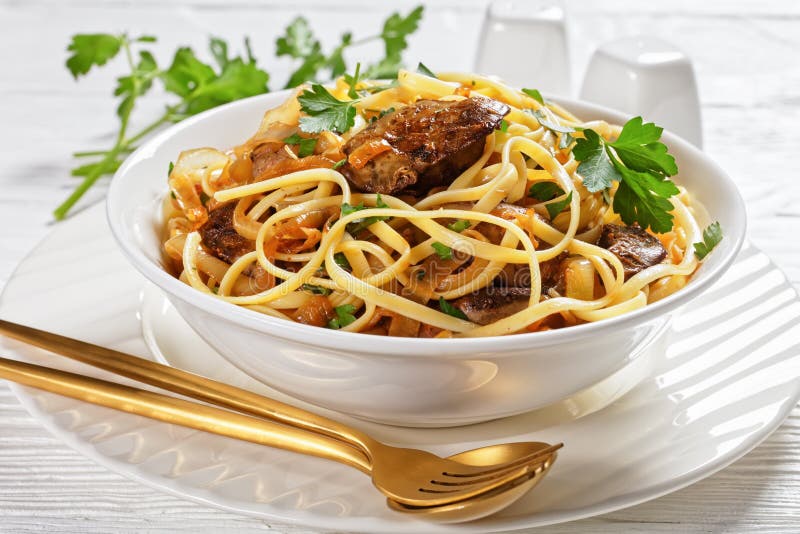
(746, 57)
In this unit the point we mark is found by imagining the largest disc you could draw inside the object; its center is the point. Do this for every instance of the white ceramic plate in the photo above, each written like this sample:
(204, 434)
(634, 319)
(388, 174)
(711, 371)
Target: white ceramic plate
(723, 378)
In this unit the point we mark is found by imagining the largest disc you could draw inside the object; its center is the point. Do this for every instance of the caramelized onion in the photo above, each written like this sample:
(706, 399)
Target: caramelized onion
(316, 311)
(361, 155)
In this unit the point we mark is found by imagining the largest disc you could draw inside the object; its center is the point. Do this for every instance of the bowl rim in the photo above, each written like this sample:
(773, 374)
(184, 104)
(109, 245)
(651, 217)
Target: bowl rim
(412, 347)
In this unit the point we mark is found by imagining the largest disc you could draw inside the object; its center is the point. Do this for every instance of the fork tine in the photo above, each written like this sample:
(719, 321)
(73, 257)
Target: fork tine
(438, 497)
(471, 472)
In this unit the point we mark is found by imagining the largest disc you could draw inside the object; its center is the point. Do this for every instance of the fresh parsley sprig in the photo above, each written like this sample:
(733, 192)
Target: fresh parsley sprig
(712, 235)
(344, 316)
(360, 224)
(200, 86)
(640, 163)
(324, 111)
(305, 146)
(449, 309)
(299, 43)
(443, 251)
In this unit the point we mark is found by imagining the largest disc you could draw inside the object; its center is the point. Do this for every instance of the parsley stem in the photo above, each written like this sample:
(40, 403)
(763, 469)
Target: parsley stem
(98, 171)
(364, 40)
(91, 153)
(165, 118)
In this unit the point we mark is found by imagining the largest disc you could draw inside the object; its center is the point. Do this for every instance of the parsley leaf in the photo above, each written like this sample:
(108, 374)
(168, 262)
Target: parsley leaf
(541, 116)
(308, 69)
(639, 148)
(306, 146)
(712, 235)
(503, 126)
(422, 69)
(459, 226)
(535, 94)
(324, 111)
(596, 168)
(341, 260)
(298, 41)
(219, 49)
(336, 59)
(316, 290)
(449, 309)
(236, 81)
(344, 316)
(641, 165)
(544, 191)
(339, 163)
(443, 251)
(91, 49)
(397, 28)
(360, 224)
(556, 207)
(186, 73)
(644, 198)
(136, 84)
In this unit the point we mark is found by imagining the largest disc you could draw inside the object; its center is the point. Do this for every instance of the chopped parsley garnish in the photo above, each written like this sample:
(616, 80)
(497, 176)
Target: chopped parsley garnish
(556, 207)
(422, 69)
(443, 251)
(344, 316)
(305, 146)
(381, 114)
(503, 126)
(541, 116)
(316, 290)
(535, 94)
(360, 224)
(544, 191)
(325, 112)
(459, 226)
(339, 163)
(341, 260)
(641, 165)
(449, 309)
(712, 235)
(171, 166)
(204, 198)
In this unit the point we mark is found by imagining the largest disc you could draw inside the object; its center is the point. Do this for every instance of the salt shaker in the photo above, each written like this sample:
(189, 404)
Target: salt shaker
(525, 44)
(649, 77)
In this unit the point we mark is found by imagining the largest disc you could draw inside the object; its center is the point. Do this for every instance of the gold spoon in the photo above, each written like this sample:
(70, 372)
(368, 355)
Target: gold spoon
(412, 484)
(451, 480)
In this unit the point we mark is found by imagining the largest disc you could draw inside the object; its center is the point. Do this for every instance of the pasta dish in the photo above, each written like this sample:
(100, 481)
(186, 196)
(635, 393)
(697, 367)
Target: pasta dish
(434, 205)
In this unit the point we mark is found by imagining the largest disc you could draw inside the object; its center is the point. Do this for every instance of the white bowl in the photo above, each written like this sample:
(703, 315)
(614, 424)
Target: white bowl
(414, 382)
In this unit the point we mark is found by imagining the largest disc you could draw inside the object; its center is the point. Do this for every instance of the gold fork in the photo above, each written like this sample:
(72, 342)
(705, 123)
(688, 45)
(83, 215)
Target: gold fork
(409, 476)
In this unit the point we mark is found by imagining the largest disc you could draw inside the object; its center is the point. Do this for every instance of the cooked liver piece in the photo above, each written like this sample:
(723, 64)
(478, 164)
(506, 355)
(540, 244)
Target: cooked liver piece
(267, 155)
(635, 248)
(511, 291)
(221, 238)
(519, 274)
(432, 143)
(493, 303)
